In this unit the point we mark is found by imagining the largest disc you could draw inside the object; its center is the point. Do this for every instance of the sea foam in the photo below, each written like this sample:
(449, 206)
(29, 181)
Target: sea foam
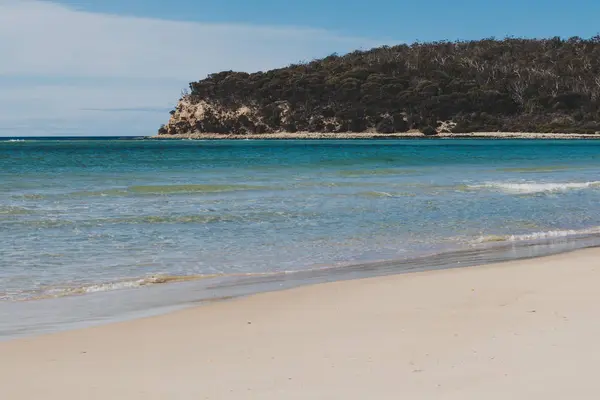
(536, 187)
(553, 234)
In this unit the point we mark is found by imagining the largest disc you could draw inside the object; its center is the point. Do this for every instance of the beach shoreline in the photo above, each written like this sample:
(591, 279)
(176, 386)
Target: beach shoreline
(79, 309)
(373, 135)
(521, 329)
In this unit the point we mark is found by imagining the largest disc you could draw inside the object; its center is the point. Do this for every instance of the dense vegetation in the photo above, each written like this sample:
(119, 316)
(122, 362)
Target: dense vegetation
(550, 85)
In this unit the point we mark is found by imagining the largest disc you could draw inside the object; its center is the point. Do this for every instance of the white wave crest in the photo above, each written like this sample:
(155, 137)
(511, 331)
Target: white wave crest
(533, 187)
(104, 287)
(63, 291)
(15, 140)
(118, 285)
(538, 235)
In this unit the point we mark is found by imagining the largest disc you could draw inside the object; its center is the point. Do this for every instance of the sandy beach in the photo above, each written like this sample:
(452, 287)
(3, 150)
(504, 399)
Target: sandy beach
(374, 135)
(519, 330)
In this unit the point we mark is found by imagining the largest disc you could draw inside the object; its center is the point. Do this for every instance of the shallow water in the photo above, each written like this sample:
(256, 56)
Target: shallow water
(79, 216)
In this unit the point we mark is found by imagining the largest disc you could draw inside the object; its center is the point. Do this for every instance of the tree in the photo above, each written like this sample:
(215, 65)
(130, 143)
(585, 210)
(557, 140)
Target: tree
(429, 131)
(517, 84)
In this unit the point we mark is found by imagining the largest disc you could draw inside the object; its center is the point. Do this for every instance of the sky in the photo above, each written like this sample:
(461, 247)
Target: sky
(116, 67)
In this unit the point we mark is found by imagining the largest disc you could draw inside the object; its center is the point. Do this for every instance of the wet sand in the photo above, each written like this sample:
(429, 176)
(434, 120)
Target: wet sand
(519, 330)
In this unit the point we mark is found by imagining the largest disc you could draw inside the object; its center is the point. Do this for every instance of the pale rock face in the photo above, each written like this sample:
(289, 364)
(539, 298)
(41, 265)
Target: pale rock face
(446, 126)
(204, 116)
(194, 116)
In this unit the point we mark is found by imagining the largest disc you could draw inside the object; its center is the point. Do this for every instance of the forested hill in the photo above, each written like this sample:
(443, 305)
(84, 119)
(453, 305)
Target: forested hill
(512, 85)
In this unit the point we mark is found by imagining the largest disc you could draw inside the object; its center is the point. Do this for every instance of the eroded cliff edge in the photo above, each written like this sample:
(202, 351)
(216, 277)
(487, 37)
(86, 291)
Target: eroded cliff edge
(512, 85)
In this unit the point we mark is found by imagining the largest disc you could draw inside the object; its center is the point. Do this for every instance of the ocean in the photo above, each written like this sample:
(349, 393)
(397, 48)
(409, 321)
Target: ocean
(97, 230)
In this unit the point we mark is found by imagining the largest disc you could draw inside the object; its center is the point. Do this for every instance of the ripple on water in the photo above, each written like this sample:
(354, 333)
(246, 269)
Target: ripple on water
(181, 208)
(550, 168)
(140, 190)
(168, 189)
(376, 172)
(200, 219)
(14, 210)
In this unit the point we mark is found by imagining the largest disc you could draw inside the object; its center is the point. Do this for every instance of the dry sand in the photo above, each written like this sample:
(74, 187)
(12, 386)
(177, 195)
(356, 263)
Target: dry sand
(373, 135)
(520, 330)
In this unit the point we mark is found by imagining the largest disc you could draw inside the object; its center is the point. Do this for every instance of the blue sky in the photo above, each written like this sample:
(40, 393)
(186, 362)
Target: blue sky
(408, 20)
(115, 67)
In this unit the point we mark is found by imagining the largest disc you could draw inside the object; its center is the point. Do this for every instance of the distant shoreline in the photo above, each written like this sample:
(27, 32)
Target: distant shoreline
(369, 135)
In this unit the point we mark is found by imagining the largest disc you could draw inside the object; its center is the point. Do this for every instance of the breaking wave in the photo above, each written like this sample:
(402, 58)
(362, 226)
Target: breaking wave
(533, 187)
(77, 290)
(58, 291)
(538, 235)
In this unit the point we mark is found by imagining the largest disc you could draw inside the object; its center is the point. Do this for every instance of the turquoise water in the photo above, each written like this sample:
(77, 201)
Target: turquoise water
(81, 216)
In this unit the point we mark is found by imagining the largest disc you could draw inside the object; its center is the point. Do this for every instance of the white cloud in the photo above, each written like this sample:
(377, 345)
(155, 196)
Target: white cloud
(44, 39)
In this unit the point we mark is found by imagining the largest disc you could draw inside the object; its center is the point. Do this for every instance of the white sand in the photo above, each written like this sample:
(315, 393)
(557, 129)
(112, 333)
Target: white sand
(374, 135)
(521, 330)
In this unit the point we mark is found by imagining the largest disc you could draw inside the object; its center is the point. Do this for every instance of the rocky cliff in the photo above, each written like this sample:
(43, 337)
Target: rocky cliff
(208, 116)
